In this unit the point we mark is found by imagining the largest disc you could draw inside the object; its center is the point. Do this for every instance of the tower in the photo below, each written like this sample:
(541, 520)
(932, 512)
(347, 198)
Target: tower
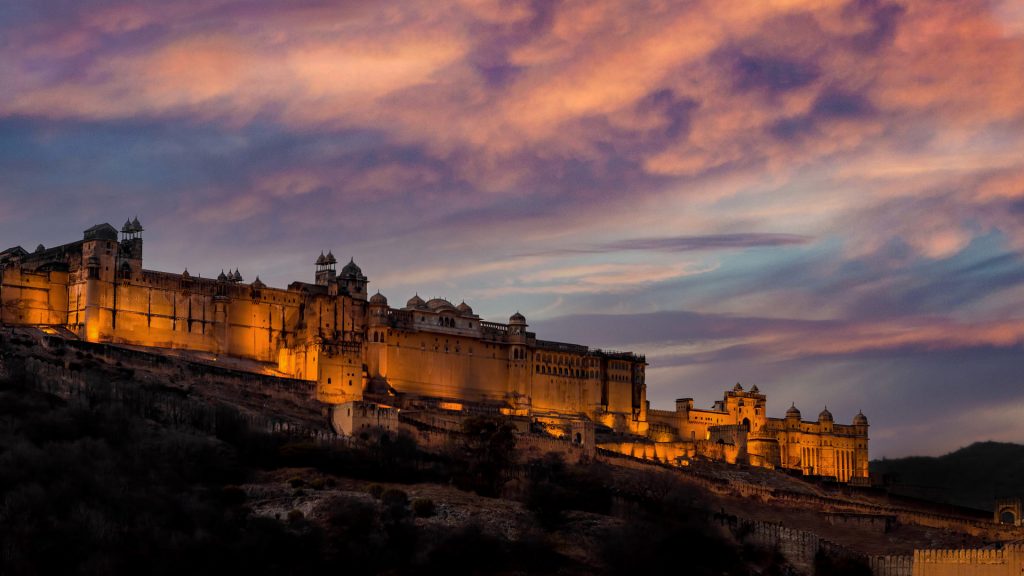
(861, 459)
(325, 273)
(99, 260)
(129, 257)
(354, 281)
(518, 364)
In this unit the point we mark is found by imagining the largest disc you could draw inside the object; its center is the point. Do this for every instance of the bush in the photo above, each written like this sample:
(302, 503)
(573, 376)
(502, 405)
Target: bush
(394, 497)
(232, 495)
(548, 502)
(423, 507)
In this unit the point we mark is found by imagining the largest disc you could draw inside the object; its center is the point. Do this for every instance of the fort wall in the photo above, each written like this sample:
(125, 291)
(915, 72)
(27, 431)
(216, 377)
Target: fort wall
(1008, 561)
(891, 565)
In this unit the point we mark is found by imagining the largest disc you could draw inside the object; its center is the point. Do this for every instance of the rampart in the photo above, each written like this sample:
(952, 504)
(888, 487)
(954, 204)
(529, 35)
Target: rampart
(799, 547)
(1007, 561)
(891, 565)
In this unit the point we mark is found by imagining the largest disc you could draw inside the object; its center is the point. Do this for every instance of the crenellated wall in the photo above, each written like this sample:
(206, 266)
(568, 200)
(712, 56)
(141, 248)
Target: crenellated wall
(1007, 561)
(891, 565)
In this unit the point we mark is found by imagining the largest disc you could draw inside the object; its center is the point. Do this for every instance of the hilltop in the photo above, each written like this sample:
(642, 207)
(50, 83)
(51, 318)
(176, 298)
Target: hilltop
(973, 476)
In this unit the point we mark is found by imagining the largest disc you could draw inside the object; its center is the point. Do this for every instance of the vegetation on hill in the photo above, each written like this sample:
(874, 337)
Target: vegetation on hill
(100, 490)
(973, 476)
(101, 486)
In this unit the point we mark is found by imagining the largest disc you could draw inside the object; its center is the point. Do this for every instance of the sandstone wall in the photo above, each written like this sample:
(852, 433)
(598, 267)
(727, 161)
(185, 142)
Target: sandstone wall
(891, 565)
(1008, 561)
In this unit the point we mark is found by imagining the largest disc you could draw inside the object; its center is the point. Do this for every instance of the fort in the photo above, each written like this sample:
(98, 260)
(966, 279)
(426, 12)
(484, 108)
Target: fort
(360, 352)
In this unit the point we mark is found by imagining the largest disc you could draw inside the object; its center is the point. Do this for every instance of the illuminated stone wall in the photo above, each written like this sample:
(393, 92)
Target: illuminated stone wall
(985, 562)
(98, 289)
(434, 348)
(821, 448)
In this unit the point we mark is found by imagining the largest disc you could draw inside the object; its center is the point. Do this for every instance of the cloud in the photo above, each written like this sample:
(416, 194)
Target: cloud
(709, 242)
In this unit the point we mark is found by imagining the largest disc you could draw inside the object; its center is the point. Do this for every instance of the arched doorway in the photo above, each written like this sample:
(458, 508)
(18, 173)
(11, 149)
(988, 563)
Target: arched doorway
(1006, 516)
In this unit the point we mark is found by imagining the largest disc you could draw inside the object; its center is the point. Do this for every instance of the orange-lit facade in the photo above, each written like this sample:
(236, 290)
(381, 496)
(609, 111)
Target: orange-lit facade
(357, 346)
(738, 429)
(328, 331)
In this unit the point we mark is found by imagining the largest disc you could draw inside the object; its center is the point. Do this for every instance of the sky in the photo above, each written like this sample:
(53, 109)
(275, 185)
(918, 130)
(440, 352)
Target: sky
(825, 199)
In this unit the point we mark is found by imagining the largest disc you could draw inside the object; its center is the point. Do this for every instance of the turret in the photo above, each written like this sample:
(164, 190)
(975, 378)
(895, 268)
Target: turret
(683, 407)
(129, 253)
(825, 420)
(860, 422)
(100, 256)
(793, 416)
(517, 328)
(353, 279)
(325, 273)
(378, 309)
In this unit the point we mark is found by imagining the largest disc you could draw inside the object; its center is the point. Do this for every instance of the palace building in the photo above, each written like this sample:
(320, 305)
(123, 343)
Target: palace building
(356, 346)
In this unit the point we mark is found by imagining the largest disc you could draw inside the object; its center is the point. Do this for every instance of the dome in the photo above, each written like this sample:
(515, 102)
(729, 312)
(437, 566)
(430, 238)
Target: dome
(321, 259)
(464, 308)
(439, 304)
(257, 284)
(40, 248)
(415, 302)
(754, 390)
(136, 226)
(330, 258)
(237, 277)
(185, 274)
(737, 388)
(222, 277)
(825, 415)
(378, 299)
(860, 419)
(127, 228)
(351, 269)
(793, 412)
(517, 318)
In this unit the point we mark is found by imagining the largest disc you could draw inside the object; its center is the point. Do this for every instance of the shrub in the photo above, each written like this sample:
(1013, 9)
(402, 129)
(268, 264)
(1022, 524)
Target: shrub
(423, 507)
(394, 497)
(375, 490)
(232, 495)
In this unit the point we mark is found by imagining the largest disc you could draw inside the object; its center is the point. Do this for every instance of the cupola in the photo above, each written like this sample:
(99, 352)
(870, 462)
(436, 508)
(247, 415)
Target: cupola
(860, 419)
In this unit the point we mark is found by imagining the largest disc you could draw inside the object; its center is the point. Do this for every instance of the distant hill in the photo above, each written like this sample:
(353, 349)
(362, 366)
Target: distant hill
(973, 476)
